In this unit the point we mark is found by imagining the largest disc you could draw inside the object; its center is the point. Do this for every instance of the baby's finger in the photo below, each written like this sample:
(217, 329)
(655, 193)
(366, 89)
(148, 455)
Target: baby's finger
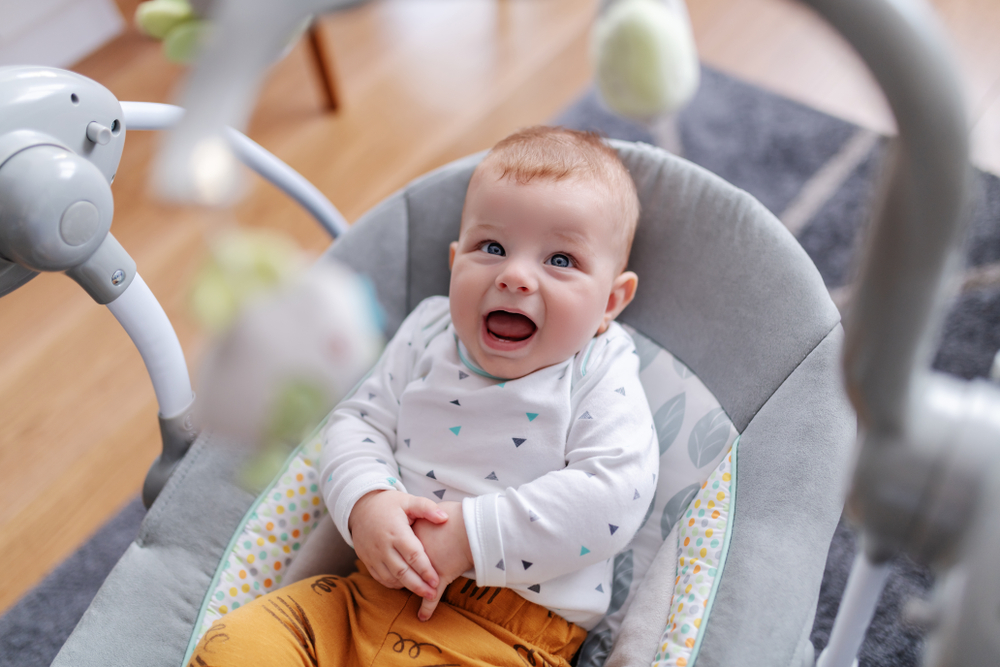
(427, 608)
(408, 575)
(418, 507)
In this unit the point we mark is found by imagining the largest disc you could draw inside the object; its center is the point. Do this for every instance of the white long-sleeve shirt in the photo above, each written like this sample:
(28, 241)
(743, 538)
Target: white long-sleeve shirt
(555, 470)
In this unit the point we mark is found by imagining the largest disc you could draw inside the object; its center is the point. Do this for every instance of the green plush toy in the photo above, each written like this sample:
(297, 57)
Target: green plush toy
(645, 58)
(175, 23)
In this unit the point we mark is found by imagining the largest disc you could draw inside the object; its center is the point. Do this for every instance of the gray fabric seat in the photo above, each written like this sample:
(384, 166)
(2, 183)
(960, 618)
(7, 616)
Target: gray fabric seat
(723, 286)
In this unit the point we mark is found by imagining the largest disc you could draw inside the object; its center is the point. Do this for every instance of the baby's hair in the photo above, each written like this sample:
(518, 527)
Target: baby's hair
(558, 153)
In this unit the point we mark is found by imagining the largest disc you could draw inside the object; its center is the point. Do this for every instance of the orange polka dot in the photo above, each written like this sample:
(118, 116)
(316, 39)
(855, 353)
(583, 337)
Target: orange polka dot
(270, 525)
(305, 516)
(267, 583)
(223, 609)
(281, 509)
(272, 539)
(691, 522)
(299, 477)
(715, 514)
(704, 603)
(687, 541)
(704, 484)
(243, 574)
(697, 569)
(677, 580)
(316, 500)
(287, 549)
(277, 565)
(681, 662)
(246, 588)
(295, 533)
(689, 642)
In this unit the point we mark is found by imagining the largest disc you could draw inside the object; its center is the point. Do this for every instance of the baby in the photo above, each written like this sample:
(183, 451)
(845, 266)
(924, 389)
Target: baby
(503, 436)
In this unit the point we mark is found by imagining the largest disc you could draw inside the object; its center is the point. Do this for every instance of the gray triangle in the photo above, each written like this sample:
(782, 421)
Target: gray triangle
(590, 474)
(620, 390)
(363, 413)
(600, 588)
(407, 441)
(518, 441)
(563, 374)
(636, 496)
(455, 402)
(390, 376)
(381, 461)
(500, 564)
(461, 376)
(439, 494)
(585, 415)
(613, 528)
(533, 516)
(536, 588)
(431, 475)
(368, 440)
(526, 564)
(492, 476)
(370, 396)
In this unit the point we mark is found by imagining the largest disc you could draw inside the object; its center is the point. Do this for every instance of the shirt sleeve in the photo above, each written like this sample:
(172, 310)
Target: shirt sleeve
(588, 511)
(359, 440)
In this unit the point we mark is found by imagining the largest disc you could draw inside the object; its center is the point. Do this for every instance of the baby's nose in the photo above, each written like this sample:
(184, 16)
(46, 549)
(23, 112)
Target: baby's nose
(517, 278)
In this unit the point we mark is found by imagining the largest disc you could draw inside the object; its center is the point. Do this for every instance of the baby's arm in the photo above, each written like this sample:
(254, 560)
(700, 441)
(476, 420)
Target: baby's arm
(588, 511)
(367, 502)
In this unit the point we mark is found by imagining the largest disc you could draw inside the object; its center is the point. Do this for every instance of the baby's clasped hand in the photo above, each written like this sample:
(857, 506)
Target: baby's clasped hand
(380, 525)
(447, 546)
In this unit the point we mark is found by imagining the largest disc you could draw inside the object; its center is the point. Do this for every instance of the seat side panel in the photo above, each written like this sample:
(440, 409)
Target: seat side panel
(793, 476)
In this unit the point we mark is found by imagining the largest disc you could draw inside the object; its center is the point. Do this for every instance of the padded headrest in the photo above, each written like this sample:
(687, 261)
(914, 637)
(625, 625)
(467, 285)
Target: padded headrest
(722, 284)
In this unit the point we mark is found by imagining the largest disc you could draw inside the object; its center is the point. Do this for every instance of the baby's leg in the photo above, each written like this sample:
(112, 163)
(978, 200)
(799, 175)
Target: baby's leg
(315, 621)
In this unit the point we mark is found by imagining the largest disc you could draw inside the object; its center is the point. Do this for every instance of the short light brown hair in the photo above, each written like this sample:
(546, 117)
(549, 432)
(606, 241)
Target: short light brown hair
(558, 153)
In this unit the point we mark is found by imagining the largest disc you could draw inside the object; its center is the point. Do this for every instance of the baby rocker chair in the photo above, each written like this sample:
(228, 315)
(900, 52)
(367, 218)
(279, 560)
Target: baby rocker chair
(739, 345)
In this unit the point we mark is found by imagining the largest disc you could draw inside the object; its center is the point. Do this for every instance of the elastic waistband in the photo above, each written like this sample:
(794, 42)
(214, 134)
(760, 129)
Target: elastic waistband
(534, 623)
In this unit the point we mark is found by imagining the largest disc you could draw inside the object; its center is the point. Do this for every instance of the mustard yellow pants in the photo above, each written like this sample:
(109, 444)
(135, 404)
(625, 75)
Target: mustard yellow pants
(355, 621)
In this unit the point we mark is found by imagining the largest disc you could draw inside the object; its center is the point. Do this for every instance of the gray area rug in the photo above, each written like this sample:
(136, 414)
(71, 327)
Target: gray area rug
(813, 171)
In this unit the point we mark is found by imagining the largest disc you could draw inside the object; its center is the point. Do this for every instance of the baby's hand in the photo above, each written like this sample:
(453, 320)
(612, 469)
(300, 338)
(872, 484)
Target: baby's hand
(384, 541)
(447, 546)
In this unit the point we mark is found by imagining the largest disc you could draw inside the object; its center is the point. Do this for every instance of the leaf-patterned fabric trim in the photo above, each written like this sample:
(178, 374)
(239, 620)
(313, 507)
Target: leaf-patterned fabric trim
(270, 536)
(702, 547)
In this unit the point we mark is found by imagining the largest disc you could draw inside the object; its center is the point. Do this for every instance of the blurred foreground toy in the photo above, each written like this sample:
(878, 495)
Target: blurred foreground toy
(291, 343)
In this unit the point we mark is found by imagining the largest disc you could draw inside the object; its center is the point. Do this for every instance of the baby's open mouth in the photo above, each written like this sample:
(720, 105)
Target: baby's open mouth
(509, 326)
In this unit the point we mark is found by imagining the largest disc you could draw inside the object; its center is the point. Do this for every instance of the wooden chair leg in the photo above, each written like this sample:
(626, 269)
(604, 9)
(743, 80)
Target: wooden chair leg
(323, 58)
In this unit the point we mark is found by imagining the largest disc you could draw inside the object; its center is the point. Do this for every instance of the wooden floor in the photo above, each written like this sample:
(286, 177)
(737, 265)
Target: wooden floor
(422, 82)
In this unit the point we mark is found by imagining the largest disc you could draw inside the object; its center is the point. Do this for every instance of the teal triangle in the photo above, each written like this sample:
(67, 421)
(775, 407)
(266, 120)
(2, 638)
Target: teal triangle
(584, 550)
(531, 416)
(455, 429)
(501, 384)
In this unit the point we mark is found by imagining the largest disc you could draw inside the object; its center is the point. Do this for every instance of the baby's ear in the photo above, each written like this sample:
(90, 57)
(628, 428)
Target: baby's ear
(452, 247)
(622, 292)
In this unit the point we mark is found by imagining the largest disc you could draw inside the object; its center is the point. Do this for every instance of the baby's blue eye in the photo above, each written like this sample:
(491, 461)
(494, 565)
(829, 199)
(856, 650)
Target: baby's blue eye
(560, 260)
(494, 248)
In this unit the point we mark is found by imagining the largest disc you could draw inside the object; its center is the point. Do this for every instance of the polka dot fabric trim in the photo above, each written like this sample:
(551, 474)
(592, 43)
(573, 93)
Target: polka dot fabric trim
(702, 542)
(271, 537)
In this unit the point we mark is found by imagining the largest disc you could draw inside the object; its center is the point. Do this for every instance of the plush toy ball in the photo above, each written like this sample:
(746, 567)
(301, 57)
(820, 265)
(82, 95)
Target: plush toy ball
(645, 57)
(291, 345)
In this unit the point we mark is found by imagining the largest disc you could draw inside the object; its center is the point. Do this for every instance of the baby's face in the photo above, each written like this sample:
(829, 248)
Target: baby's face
(534, 272)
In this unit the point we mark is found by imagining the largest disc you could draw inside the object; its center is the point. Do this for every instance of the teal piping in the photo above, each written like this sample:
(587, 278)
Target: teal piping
(725, 557)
